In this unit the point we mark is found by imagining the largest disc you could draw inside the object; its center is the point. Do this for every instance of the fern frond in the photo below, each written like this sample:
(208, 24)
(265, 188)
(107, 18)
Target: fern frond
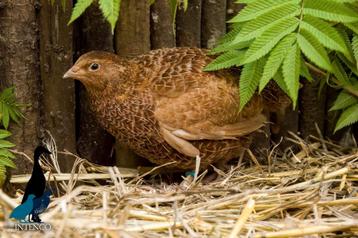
(4, 134)
(229, 47)
(249, 80)
(352, 26)
(278, 78)
(256, 27)
(329, 10)
(324, 33)
(230, 58)
(313, 50)
(260, 7)
(355, 48)
(305, 71)
(110, 10)
(291, 72)
(264, 43)
(348, 117)
(7, 162)
(340, 72)
(80, 7)
(2, 175)
(343, 100)
(275, 59)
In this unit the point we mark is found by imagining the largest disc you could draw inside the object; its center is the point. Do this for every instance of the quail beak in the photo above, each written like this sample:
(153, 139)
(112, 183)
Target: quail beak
(71, 73)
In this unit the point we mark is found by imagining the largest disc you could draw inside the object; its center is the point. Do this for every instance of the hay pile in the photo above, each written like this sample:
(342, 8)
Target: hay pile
(314, 191)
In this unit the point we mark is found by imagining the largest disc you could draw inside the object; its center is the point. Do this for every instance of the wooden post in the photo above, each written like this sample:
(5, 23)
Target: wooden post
(213, 22)
(312, 108)
(188, 25)
(162, 28)
(19, 64)
(58, 99)
(132, 37)
(93, 142)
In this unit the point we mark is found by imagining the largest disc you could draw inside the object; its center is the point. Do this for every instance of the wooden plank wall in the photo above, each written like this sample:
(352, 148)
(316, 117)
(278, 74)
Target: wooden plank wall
(37, 47)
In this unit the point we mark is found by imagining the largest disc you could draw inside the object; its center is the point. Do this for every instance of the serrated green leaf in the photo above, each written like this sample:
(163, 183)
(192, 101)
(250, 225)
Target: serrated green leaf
(355, 48)
(110, 10)
(256, 27)
(305, 71)
(229, 47)
(6, 144)
(313, 50)
(348, 63)
(249, 80)
(2, 175)
(324, 33)
(329, 10)
(6, 153)
(4, 134)
(340, 73)
(278, 78)
(343, 100)
(264, 43)
(291, 72)
(226, 60)
(80, 7)
(352, 26)
(348, 117)
(5, 116)
(7, 162)
(275, 59)
(258, 8)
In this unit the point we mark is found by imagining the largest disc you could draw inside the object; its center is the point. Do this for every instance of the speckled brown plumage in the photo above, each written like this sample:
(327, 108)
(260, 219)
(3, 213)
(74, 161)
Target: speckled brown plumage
(165, 108)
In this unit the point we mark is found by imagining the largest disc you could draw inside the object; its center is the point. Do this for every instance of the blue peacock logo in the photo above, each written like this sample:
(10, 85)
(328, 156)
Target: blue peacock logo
(36, 197)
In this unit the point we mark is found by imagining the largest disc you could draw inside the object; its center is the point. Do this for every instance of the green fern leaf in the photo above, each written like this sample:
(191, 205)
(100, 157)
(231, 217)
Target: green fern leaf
(256, 27)
(5, 116)
(278, 78)
(6, 153)
(110, 10)
(355, 47)
(2, 175)
(264, 43)
(305, 71)
(348, 63)
(313, 50)
(291, 72)
(4, 134)
(249, 80)
(275, 59)
(340, 72)
(329, 10)
(348, 117)
(260, 7)
(325, 33)
(226, 60)
(352, 26)
(6, 144)
(229, 47)
(7, 162)
(344, 100)
(79, 8)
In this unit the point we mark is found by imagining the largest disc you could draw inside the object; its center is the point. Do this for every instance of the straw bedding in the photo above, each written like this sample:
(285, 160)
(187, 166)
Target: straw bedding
(310, 193)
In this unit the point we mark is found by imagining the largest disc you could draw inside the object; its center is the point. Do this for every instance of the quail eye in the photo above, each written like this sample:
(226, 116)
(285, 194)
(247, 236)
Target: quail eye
(94, 66)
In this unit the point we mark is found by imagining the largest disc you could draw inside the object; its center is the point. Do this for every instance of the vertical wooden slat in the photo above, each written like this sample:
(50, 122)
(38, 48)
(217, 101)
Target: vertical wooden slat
(132, 37)
(188, 25)
(312, 108)
(213, 22)
(93, 142)
(58, 99)
(19, 64)
(162, 28)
